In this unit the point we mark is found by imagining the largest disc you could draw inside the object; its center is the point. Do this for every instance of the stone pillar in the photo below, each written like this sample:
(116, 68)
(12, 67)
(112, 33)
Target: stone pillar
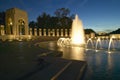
(87, 36)
(66, 32)
(61, 32)
(30, 31)
(44, 32)
(57, 32)
(2, 30)
(49, 32)
(35, 31)
(53, 32)
(17, 31)
(92, 35)
(10, 29)
(40, 32)
(70, 32)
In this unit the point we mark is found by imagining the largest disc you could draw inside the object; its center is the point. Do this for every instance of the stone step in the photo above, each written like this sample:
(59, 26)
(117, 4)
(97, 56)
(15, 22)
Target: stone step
(73, 72)
(61, 71)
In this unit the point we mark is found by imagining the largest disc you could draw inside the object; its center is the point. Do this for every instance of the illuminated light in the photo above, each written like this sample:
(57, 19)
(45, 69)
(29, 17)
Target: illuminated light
(96, 50)
(10, 23)
(109, 52)
(77, 35)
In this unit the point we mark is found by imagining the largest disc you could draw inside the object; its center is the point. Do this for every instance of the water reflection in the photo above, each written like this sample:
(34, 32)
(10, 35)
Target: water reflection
(76, 53)
(110, 62)
(52, 45)
(101, 65)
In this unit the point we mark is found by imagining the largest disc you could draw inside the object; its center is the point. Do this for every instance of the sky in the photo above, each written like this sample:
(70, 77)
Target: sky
(99, 15)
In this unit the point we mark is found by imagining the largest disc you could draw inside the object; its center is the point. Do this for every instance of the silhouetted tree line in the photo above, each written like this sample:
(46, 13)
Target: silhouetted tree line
(61, 19)
(2, 18)
(88, 31)
(115, 32)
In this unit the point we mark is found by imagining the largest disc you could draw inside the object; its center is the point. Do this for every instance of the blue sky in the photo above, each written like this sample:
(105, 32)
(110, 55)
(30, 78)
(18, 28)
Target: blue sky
(100, 15)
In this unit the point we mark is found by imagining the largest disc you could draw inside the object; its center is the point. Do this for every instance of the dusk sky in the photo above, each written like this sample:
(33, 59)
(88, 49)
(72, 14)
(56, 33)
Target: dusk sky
(99, 15)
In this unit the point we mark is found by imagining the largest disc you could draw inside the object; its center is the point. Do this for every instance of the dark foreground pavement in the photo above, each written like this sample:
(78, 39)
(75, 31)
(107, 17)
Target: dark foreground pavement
(54, 68)
(22, 61)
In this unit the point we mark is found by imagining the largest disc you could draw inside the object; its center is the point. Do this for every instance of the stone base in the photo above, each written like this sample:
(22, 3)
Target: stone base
(15, 37)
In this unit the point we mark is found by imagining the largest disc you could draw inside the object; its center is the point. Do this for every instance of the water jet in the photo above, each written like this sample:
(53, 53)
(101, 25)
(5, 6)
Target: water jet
(77, 35)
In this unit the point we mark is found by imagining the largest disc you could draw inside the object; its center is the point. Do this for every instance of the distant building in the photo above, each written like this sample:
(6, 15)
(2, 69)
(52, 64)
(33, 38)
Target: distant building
(117, 36)
(102, 33)
(90, 35)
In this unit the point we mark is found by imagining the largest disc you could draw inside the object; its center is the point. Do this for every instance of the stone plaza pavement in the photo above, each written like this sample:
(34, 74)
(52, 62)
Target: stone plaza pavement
(55, 68)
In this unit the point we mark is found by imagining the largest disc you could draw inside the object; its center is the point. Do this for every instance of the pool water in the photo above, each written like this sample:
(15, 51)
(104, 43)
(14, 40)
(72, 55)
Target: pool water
(101, 64)
(17, 58)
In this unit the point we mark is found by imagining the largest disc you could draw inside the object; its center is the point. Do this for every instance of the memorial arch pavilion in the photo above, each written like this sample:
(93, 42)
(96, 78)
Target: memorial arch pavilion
(16, 22)
(16, 26)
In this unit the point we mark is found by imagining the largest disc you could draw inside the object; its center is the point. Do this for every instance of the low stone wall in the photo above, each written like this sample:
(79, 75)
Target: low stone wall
(15, 37)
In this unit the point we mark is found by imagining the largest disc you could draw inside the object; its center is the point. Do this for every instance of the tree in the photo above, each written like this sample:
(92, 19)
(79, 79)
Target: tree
(62, 12)
(32, 24)
(115, 32)
(43, 20)
(88, 31)
(2, 18)
(60, 20)
(64, 21)
(53, 22)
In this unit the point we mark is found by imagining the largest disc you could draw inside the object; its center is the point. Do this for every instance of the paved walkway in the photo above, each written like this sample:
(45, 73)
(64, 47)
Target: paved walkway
(58, 69)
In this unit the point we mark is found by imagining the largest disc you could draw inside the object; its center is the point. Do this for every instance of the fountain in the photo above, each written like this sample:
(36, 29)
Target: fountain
(78, 39)
(89, 41)
(98, 42)
(94, 53)
(77, 35)
(111, 43)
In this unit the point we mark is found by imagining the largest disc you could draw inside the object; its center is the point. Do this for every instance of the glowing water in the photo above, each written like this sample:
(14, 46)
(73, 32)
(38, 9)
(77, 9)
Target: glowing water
(98, 41)
(109, 46)
(89, 41)
(77, 35)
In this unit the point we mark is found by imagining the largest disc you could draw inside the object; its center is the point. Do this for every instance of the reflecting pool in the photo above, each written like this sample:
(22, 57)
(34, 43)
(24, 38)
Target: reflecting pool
(101, 64)
(19, 58)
